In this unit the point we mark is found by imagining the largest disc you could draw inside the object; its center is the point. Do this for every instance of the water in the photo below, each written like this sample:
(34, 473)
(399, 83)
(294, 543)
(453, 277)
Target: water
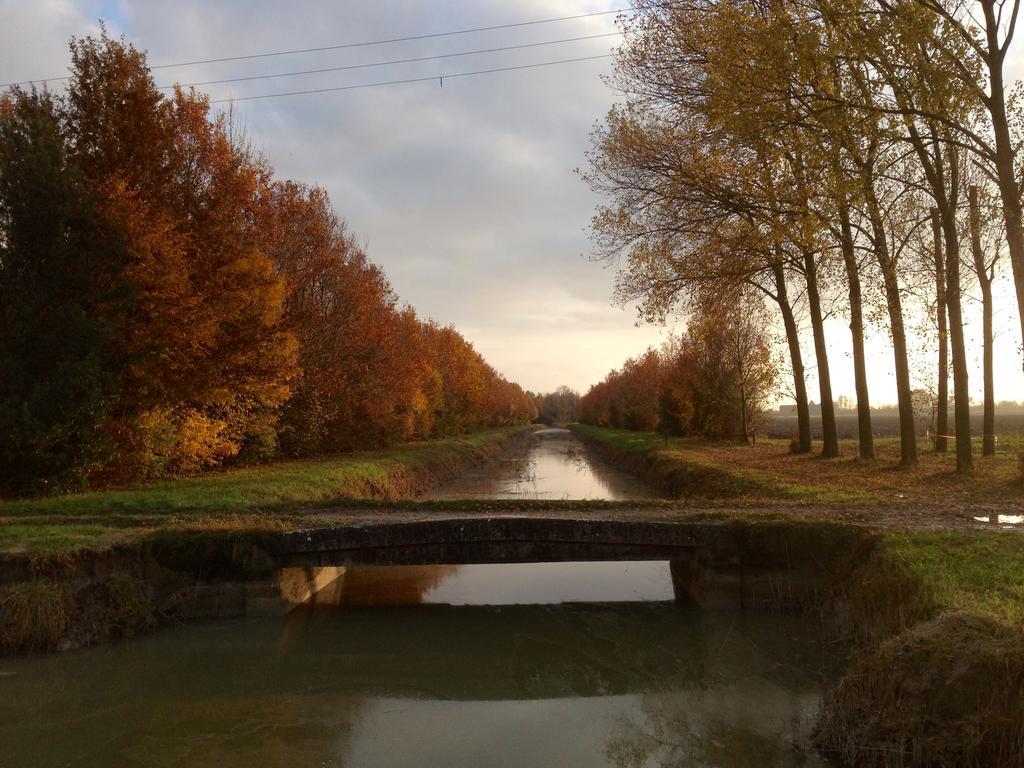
(1006, 521)
(548, 664)
(474, 666)
(556, 465)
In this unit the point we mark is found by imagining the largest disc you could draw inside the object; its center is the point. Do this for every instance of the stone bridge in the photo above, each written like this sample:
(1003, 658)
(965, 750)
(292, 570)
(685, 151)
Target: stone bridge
(689, 548)
(456, 541)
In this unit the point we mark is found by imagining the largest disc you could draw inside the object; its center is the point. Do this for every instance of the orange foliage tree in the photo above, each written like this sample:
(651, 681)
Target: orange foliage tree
(208, 357)
(715, 380)
(372, 372)
(237, 316)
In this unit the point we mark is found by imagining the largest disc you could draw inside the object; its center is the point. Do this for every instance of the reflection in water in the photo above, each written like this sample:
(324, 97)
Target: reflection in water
(997, 519)
(497, 584)
(383, 585)
(613, 682)
(556, 465)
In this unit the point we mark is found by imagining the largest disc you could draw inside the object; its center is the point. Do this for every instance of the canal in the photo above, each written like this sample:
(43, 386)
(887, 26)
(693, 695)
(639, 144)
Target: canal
(545, 664)
(554, 465)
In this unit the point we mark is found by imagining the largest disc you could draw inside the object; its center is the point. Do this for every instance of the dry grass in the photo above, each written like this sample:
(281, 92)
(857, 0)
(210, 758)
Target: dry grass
(949, 692)
(34, 616)
(44, 614)
(768, 471)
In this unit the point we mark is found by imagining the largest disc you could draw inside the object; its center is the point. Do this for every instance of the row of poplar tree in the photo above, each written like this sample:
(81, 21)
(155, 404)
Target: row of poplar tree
(859, 157)
(167, 305)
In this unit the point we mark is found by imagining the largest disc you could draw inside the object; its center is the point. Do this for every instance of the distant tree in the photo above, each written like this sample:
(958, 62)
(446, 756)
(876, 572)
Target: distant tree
(925, 403)
(738, 371)
(676, 388)
(558, 407)
(672, 418)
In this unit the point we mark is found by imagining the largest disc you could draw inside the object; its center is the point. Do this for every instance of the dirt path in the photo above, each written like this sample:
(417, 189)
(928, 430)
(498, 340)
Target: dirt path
(950, 517)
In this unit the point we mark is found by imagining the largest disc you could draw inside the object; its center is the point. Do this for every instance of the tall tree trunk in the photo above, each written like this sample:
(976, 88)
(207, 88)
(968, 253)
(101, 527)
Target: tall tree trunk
(830, 438)
(803, 413)
(1006, 177)
(860, 374)
(743, 414)
(985, 281)
(894, 305)
(961, 389)
(942, 406)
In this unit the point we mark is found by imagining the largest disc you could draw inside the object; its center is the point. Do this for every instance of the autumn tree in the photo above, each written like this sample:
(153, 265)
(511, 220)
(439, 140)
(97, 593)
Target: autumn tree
(703, 193)
(58, 278)
(715, 380)
(207, 359)
(735, 372)
(167, 306)
(968, 43)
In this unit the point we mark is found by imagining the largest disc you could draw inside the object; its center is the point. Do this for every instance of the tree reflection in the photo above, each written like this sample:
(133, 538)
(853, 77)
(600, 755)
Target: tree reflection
(382, 585)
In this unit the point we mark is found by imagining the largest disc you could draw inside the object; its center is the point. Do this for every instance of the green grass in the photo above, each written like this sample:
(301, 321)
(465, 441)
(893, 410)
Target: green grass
(367, 474)
(980, 572)
(54, 539)
(976, 571)
(627, 440)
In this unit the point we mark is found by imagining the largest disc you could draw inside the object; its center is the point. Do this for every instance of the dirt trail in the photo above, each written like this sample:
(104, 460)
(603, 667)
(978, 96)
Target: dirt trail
(951, 517)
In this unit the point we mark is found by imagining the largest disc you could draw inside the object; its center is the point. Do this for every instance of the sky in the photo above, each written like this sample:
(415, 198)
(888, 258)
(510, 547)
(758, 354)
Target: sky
(465, 191)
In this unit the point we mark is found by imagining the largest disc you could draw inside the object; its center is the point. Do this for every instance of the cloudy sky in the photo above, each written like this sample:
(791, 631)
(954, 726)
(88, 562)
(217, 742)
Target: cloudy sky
(465, 193)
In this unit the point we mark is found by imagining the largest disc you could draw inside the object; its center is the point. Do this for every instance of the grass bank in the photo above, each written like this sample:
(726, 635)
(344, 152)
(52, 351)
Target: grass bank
(699, 469)
(937, 679)
(104, 518)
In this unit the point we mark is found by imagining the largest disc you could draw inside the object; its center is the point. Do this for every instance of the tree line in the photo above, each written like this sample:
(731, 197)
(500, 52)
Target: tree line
(833, 156)
(715, 380)
(558, 407)
(167, 305)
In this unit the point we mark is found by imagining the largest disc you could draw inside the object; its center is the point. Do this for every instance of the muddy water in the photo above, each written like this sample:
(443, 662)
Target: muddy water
(494, 665)
(555, 465)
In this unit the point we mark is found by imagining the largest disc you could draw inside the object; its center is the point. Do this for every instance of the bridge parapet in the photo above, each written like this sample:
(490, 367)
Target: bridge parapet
(488, 540)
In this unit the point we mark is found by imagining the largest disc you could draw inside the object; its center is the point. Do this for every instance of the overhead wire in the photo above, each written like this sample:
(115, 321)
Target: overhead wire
(342, 46)
(426, 79)
(390, 62)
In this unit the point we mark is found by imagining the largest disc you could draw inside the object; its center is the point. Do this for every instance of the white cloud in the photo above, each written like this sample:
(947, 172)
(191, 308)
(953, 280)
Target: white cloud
(464, 194)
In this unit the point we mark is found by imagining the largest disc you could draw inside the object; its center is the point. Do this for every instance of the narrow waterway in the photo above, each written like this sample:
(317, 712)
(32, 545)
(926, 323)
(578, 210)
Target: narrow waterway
(555, 464)
(501, 665)
(547, 664)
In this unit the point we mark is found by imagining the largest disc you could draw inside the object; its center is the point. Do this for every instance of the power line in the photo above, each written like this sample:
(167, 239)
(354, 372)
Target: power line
(393, 61)
(413, 79)
(341, 46)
